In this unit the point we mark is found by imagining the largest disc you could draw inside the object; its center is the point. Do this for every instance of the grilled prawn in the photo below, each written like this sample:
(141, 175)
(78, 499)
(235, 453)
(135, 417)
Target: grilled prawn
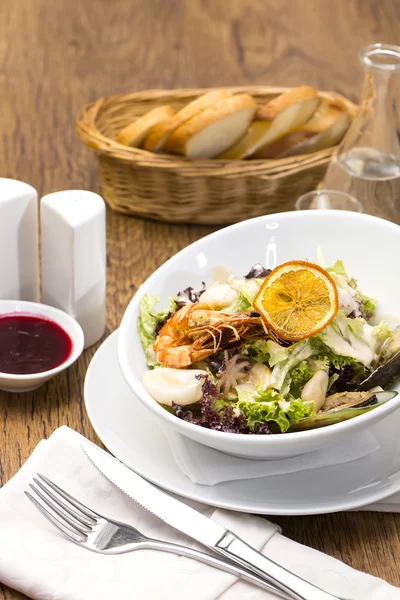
(195, 332)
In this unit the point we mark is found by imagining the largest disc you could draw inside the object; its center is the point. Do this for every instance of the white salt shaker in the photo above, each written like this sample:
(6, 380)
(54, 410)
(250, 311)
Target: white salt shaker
(73, 231)
(19, 250)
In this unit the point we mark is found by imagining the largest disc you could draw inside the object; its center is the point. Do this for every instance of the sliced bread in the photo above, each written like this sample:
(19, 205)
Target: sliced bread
(258, 130)
(325, 139)
(275, 107)
(283, 115)
(279, 147)
(158, 135)
(134, 133)
(311, 137)
(214, 129)
(323, 118)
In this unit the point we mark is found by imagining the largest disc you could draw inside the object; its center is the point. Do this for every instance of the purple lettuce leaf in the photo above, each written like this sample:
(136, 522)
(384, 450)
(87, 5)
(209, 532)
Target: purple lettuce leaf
(189, 295)
(257, 271)
(215, 412)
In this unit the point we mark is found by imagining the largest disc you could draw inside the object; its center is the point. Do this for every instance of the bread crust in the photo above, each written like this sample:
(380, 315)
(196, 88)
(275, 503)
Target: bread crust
(134, 133)
(323, 118)
(178, 140)
(157, 136)
(274, 107)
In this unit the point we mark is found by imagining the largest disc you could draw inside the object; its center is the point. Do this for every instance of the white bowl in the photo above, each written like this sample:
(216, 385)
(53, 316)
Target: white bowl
(367, 245)
(11, 382)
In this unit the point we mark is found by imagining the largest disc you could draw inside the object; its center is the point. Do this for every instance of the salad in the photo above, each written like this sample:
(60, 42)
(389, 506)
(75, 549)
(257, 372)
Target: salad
(270, 352)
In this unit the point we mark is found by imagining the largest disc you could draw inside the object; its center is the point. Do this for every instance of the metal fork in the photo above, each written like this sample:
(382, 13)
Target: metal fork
(98, 533)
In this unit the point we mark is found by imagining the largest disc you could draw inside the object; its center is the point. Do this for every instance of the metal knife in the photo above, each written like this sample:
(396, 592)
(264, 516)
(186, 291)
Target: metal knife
(187, 520)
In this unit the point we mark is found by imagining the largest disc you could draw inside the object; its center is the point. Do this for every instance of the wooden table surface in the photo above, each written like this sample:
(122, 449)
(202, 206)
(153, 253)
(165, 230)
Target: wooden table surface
(56, 56)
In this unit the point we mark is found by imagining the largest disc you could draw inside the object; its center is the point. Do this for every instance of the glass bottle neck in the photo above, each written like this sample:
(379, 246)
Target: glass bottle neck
(371, 148)
(379, 104)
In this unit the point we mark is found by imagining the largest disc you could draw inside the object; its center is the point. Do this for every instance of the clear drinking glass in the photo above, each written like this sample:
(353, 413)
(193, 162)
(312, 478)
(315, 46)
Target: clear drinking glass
(328, 199)
(367, 164)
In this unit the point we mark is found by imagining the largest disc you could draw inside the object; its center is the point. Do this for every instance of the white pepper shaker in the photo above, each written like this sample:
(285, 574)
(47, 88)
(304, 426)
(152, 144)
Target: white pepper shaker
(19, 249)
(73, 231)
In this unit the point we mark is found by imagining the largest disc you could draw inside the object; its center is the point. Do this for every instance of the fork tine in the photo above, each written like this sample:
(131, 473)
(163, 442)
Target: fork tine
(82, 529)
(72, 535)
(66, 506)
(78, 505)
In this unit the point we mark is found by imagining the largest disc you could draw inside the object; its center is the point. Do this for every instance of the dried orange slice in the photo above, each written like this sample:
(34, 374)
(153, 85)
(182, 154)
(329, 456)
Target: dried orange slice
(297, 300)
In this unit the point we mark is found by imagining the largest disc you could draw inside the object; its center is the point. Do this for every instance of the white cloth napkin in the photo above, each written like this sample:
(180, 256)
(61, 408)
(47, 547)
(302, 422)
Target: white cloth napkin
(206, 466)
(40, 562)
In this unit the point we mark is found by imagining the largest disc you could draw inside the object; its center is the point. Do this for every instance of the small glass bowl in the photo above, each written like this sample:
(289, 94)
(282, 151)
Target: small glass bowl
(328, 199)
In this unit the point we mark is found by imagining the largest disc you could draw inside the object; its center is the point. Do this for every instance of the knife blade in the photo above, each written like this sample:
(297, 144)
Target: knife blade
(165, 507)
(189, 521)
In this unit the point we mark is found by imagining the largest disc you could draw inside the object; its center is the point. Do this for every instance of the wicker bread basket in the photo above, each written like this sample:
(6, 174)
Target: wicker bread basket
(178, 190)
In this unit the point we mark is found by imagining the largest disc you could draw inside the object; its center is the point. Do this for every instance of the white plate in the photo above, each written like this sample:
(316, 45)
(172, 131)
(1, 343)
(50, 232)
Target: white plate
(132, 434)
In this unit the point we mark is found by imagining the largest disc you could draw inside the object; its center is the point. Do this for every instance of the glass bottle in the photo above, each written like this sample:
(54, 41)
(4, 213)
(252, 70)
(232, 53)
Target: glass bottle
(367, 164)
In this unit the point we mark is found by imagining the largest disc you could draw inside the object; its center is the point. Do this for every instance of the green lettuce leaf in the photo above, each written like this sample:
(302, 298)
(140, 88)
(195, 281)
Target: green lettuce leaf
(247, 290)
(299, 410)
(339, 362)
(339, 269)
(148, 321)
(332, 379)
(319, 363)
(284, 360)
(241, 303)
(356, 326)
(299, 377)
(352, 337)
(277, 354)
(258, 350)
(247, 396)
(366, 303)
(382, 332)
(270, 405)
(345, 370)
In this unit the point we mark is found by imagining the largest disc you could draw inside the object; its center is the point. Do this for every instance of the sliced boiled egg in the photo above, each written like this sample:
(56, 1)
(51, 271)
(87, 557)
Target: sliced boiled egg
(168, 385)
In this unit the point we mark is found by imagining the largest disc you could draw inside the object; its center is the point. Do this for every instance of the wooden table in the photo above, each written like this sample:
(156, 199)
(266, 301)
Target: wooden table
(56, 56)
